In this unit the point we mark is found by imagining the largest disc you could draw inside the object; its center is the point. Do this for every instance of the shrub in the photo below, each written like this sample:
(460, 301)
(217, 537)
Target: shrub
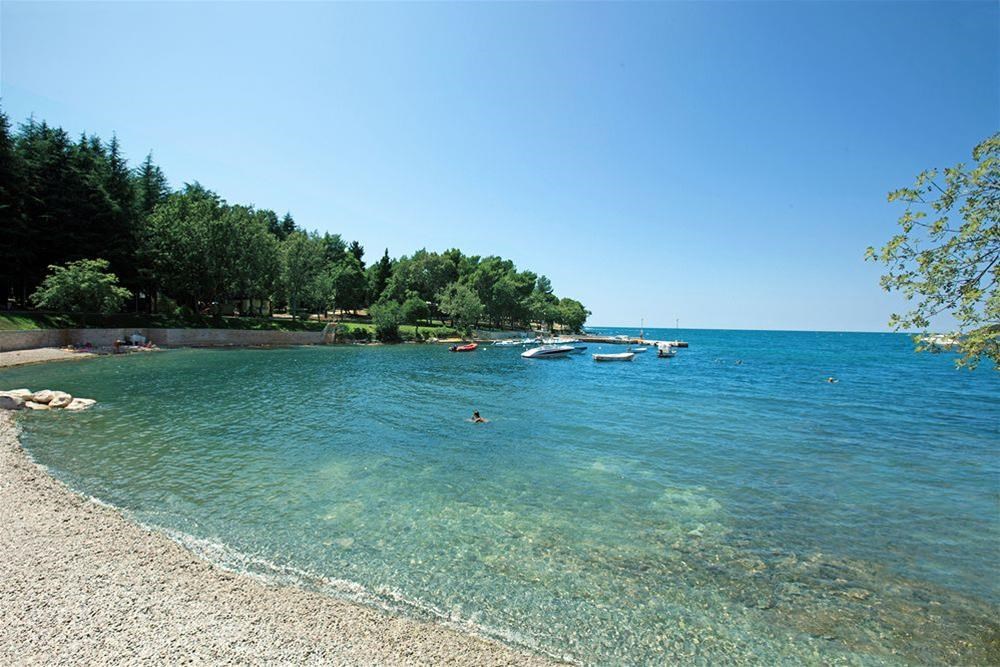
(84, 286)
(386, 317)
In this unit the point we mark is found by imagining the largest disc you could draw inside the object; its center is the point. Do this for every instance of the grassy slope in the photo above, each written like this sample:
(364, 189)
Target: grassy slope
(21, 321)
(27, 320)
(407, 331)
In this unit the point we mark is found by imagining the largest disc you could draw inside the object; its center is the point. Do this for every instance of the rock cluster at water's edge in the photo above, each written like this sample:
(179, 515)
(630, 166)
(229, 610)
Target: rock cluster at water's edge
(20, 399)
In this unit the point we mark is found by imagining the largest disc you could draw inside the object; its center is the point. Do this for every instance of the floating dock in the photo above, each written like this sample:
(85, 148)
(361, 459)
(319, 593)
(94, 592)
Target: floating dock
(630, 341)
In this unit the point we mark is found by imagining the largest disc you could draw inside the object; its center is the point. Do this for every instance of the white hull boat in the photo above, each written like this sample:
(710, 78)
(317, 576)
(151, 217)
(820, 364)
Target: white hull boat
(547, 351)
(618, 356)
(665, 351)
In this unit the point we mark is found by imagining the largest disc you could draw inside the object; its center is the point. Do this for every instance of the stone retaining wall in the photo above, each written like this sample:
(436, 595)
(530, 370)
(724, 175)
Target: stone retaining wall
(26, 340)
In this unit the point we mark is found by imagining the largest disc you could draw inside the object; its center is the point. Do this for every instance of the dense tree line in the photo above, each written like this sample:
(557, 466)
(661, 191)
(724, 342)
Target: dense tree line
(63, 200)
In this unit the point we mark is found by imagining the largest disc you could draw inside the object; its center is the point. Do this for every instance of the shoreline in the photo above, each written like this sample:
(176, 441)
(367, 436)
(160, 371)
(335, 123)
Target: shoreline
(41, 355)
(83, 583)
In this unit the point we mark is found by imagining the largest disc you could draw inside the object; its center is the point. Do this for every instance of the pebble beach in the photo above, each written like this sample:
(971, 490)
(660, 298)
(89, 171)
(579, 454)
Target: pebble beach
(84, 585)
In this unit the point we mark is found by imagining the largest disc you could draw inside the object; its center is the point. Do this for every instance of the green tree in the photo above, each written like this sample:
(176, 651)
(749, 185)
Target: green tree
(543, 307)
(571, 314)
(54, 195)
(174, 245)
(386, 316)
(431, 272)
(17, 238)
(84, 286)
(302, 271)
(402, 281)
(116, 181)
(334, 248)
(255, 266)
(460, 303)
(349, 283)
(483, 279)
(358, 251)
(150, 187)
(947, 255)
(378, 277)
(200, 250)
(543, 285)
(285, 227)
(414, 310)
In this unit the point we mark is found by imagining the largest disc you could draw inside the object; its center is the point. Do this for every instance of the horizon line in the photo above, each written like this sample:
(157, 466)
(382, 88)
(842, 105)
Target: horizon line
(618, 326)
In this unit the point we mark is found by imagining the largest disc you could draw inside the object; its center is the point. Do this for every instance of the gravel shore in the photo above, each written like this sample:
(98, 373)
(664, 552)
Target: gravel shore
(39, 355)
(81, 584)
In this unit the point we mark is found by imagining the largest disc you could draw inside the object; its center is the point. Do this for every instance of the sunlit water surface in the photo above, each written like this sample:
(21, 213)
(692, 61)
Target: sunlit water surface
(694, 508)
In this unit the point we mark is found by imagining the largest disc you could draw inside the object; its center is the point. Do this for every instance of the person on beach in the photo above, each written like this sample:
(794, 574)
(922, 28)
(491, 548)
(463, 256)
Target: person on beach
(476, 419)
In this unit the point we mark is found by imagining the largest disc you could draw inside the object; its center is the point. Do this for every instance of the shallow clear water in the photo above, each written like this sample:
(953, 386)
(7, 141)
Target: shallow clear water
(693, 508)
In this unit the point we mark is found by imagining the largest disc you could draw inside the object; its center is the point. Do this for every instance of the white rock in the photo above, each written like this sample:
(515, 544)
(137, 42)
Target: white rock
(23, 393)
(80, 404)
(43, 396)
(60, 400)
(11, 402)
(31, 405)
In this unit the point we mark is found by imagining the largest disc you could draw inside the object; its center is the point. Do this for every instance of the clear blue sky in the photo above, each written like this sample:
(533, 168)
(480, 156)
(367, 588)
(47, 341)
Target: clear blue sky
(725, 164)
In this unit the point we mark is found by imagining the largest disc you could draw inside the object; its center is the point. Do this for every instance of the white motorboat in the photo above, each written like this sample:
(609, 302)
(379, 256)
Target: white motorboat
(941, 340)
(547, 351)
(507, 342)
(665, 351)
(617, 356)
(637, 350)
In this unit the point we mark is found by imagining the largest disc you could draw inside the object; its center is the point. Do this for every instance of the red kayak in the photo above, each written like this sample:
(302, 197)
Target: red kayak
(464, 348)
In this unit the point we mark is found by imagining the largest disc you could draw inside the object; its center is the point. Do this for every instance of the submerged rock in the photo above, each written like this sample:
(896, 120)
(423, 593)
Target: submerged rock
(80, 404)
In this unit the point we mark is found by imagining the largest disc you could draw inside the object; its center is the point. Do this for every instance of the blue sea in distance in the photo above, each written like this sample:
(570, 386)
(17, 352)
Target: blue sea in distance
(727, 505)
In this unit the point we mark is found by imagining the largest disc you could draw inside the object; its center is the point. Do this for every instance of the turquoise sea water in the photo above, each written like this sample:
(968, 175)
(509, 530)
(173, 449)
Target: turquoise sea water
(689, 509)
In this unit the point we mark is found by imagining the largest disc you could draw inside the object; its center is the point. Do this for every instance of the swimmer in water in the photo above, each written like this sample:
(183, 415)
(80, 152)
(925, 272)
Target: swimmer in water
(832, 380)
(476, 419)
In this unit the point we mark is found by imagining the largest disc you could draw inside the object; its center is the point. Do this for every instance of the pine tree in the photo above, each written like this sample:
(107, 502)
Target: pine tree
(16, 242)
(150, 186)
(381, 271)
(51, 189)
(287, 227)
(358, 251)
(123, 216)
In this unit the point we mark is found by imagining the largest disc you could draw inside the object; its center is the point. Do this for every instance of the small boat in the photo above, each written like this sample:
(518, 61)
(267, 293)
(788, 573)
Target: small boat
(559, 340)
(618, 356)
(942, 341)
(638, 350)
(463, 348)
(665, 351)
(547, 351)
(508, 342)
